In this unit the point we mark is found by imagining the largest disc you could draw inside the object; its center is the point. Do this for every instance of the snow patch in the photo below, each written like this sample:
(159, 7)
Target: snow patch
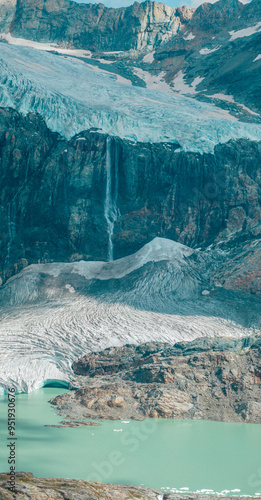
(123, 80)
(230, 98)
(104, 61)
(149, 58)
(155, 82)
(47, 47)
(190, 36)
(245, 32)
(180, 86)
(206, 51)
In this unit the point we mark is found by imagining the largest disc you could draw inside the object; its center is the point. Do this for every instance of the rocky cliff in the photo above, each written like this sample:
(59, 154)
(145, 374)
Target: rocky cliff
(53, 194)
(94, 26)
(205, 379)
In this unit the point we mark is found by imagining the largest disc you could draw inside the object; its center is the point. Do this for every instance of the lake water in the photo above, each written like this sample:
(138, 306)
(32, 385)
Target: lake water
(178, 455)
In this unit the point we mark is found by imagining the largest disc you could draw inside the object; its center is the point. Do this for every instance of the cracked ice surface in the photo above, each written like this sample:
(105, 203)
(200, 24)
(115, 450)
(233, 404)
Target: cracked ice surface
(50, 315)
(72, 96)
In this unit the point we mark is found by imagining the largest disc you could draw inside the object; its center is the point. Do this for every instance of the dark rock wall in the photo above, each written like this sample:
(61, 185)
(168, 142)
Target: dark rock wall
(52, 194)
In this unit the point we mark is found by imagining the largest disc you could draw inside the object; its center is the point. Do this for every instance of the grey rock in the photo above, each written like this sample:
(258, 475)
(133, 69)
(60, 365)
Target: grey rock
(210, 379)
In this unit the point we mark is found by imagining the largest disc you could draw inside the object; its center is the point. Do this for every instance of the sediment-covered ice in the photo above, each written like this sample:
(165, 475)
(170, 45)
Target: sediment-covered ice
(73, 95)
(52, 314)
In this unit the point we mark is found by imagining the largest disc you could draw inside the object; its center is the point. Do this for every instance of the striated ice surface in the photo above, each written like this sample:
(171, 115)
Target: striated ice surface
(73, 95)
(52, 314)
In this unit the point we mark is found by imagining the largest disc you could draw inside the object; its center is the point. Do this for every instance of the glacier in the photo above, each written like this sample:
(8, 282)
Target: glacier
(72, 95)
(52, 314)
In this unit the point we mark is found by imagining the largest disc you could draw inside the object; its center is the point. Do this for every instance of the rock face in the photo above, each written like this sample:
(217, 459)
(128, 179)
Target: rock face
(96, 27)
(205, 379)
(30, 487)
(52, 196)
(218, 51)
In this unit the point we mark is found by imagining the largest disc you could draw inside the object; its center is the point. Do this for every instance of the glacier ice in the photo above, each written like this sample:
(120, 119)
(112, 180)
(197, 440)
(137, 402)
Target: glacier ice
(152, 295)
(72, 96)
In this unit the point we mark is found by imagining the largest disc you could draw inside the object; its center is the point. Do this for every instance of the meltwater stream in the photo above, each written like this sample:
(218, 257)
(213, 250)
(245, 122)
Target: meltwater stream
(169, 455)
(111, 210)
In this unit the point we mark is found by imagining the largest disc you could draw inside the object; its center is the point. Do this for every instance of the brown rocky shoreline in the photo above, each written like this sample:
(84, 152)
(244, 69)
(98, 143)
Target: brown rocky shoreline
(207, 379)
(29, 487)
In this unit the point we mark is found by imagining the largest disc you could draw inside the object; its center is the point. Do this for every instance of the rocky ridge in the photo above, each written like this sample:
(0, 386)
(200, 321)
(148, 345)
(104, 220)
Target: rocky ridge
(219, 52)
(205, 379)
(93, 26)
(29, 487)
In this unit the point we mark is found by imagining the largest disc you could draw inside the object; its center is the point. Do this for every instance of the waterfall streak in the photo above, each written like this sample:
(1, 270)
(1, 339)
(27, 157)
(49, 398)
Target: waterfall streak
(111, 211)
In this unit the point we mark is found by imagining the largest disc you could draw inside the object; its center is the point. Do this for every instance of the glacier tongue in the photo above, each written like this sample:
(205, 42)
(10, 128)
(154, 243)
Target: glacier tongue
(72, 96)
(52, 314)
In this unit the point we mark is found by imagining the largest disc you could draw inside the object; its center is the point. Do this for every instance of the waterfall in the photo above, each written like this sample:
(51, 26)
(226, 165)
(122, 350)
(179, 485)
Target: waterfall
(111, 210)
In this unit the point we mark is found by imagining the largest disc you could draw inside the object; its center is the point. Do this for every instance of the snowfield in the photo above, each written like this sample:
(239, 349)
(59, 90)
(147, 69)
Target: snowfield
(52, 314)
(252, 30)
(72, 96)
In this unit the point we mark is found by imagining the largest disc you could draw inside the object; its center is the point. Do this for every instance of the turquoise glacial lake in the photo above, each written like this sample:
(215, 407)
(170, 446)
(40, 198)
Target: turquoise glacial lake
(177, 455)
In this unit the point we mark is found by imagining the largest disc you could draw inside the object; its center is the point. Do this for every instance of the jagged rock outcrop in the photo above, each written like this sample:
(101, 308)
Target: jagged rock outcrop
(29, 487)
(52, 195)
(217, 50)
(205, 379)
(94, 26)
